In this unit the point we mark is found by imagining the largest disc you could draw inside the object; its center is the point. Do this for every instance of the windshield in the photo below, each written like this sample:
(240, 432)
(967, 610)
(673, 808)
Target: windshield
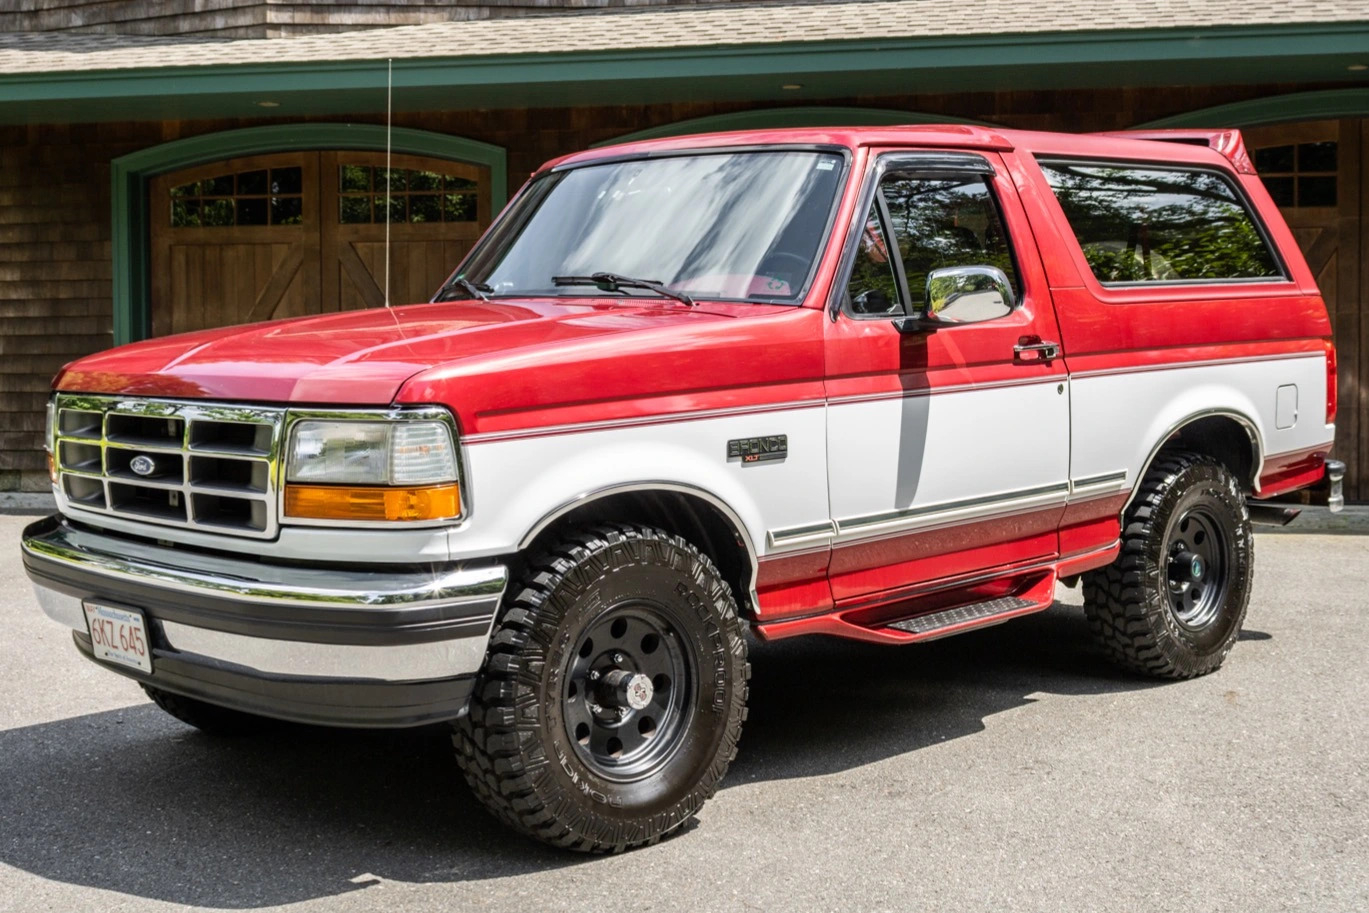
(744, 226)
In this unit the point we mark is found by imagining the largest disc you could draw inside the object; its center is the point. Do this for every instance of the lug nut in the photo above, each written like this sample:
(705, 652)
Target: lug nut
(594, 675)
(617, 657)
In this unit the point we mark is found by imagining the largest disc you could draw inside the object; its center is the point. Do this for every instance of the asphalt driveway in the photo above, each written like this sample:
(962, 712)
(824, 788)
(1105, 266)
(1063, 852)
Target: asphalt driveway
(1011, 769)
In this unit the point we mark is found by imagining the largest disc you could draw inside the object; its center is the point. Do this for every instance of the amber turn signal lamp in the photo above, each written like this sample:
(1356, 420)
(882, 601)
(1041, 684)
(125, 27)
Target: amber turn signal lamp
(52, 468)
(342, 502)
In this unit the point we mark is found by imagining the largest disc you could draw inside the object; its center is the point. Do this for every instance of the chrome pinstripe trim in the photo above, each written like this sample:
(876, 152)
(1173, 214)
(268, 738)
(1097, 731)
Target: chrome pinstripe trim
(491, 437)
(947, 513)
(1103, 485)
(1119, 476)
(807, 533)
(1208, 363)
(951, 511)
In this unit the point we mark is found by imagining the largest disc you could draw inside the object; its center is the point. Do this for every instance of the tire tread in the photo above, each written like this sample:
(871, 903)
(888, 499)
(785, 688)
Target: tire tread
(491, 746)
(1123, 611)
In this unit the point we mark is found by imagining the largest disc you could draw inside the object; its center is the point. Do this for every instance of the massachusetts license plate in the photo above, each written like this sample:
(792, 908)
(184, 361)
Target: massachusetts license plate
(119, 636)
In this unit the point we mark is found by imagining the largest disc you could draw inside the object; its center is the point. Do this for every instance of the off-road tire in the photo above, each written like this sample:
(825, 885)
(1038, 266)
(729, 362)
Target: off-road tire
(1128, 603)
(208, 718)
(514, 746)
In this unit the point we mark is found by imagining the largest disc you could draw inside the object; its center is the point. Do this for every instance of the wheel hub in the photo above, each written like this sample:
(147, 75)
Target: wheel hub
(626, 702)
(1196, 568)
(624, 688)
(1194, 564)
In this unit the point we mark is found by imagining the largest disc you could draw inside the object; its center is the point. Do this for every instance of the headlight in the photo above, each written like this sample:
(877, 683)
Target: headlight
(372, 470)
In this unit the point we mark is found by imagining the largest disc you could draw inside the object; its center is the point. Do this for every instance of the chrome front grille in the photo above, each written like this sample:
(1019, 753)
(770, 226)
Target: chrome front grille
(207, 466)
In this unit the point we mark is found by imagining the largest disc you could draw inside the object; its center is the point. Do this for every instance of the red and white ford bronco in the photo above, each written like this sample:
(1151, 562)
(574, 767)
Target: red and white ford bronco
(886, 384)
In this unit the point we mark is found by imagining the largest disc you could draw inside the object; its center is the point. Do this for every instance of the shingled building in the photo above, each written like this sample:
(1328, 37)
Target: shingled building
(195, 163)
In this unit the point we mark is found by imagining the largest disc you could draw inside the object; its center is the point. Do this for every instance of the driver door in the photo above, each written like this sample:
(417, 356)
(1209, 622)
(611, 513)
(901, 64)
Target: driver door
(948, 448)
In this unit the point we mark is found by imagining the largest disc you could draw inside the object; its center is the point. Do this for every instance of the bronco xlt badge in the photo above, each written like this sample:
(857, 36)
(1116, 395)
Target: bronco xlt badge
(758, 449)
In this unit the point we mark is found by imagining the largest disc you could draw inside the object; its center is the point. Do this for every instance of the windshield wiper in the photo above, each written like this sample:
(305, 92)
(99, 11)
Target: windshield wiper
(474, 290)
(612, 282)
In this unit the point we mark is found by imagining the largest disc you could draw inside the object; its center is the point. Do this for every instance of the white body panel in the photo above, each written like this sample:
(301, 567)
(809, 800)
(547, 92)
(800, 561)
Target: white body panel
(920, 458)
(926, 455)
(517, 482)
(1119, 418)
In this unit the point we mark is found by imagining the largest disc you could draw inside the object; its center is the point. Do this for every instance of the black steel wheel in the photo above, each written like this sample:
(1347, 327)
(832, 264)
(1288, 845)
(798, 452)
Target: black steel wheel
(613, 692)
(630, 684)
(1196, 572)
(1172, 603)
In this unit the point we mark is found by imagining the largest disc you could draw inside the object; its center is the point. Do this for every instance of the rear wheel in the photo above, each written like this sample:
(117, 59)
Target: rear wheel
(1172, 603)
(613, 694)
(208, 718)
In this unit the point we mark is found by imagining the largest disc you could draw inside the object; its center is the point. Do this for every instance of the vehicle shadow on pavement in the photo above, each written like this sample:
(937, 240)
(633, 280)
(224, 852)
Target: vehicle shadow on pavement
(134, 802)
(819, 706)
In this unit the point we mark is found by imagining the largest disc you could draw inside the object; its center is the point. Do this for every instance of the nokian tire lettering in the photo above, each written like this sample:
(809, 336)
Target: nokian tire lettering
(513, 746)
(1126, 602)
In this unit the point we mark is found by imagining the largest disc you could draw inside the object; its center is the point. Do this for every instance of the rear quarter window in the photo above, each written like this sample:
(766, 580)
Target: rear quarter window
(1151, 224)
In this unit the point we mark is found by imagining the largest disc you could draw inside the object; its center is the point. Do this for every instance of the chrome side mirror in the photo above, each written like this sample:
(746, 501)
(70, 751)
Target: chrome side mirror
(959, 295)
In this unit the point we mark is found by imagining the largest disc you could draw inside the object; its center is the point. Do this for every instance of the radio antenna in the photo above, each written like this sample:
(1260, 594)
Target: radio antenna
(389, 175)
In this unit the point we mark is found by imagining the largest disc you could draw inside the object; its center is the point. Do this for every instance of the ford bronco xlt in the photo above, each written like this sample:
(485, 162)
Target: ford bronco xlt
(886, 384)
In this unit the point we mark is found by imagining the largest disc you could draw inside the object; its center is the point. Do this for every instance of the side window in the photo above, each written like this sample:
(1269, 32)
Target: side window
(943, 222)
(874, 283)
(929, 222)
(1157, 224)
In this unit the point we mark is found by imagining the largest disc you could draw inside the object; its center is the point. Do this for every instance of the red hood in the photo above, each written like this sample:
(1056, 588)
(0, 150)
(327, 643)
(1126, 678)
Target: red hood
(357, 357)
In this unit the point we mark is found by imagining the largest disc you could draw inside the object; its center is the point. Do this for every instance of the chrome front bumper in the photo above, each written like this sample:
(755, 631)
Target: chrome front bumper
(314, 643)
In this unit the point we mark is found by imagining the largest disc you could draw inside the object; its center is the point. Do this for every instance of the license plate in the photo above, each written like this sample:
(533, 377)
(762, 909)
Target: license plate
(119, 636)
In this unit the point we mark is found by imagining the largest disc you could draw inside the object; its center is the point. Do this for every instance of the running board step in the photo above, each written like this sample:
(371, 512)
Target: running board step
(1033, 591)
(952, 621)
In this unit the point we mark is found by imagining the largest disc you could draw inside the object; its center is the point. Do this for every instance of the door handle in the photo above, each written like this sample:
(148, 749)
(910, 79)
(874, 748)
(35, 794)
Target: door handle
(1036, 351)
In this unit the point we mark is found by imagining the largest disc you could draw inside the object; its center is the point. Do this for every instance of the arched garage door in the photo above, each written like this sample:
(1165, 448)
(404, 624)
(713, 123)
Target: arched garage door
(298, 233)
(1315, 171)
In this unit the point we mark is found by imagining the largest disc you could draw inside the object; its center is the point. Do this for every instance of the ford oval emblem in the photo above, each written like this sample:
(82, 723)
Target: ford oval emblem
(143, 465)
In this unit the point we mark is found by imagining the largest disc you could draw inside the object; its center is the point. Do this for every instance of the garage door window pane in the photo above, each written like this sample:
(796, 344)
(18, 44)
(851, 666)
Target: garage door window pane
(258, 197)
(415, 196)
(1141, 225)
(1300, 176)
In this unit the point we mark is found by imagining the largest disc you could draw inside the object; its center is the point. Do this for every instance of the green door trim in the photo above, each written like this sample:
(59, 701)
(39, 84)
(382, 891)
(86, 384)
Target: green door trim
(795, 116)
(1327, 104)
(130, 174)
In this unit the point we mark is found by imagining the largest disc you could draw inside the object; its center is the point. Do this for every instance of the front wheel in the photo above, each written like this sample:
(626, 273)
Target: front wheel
(1172, 604)
(613, 694)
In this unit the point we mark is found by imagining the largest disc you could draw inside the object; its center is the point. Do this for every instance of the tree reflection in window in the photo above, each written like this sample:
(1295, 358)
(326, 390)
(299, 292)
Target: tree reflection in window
(1159, 224)
(415, 196)
(936, 223)
(263, 196)
(945, 222)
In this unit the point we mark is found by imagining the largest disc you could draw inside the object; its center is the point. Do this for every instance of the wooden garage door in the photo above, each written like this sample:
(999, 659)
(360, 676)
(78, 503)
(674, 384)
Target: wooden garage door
(1315, 172)
(291, 234)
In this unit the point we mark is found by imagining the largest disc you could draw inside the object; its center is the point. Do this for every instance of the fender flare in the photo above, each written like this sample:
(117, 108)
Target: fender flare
(739, 528)
(1252, 431)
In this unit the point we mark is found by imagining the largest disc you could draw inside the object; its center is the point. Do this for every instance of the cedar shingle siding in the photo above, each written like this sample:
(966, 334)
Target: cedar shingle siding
(55, 293)
(54, 275)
